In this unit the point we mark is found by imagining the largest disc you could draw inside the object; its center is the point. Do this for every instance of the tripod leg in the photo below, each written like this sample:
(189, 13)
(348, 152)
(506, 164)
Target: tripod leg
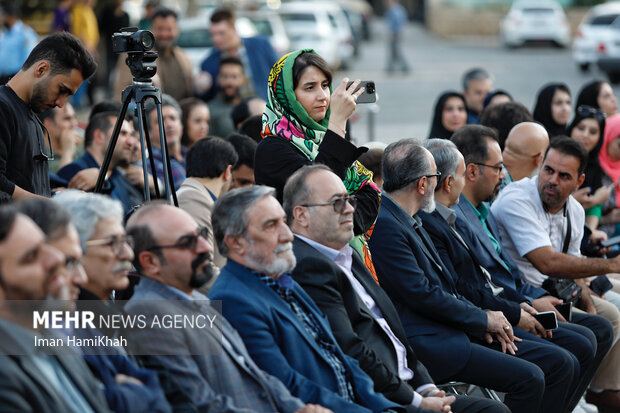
(168, 182)
(141, 129)
(117, 129)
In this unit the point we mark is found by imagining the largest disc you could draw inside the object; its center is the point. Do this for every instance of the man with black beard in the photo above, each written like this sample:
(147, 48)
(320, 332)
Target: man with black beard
(53, 71)
(230, 81)
(211, 366)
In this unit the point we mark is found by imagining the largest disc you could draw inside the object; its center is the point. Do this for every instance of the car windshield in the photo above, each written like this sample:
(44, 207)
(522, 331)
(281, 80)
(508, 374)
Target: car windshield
(603, 20)
(198, 37)
(263, 26)
(307, 17)
(537, 10)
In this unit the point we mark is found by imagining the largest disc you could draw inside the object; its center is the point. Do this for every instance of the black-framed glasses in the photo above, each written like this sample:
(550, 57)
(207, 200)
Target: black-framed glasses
(115, 242)
(42, 155)
(189, 241)
(590, 112)
(498, 168)
(438, 175)
(339, 204)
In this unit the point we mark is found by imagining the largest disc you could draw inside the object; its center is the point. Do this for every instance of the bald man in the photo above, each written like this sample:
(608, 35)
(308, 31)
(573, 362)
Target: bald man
(523, 151)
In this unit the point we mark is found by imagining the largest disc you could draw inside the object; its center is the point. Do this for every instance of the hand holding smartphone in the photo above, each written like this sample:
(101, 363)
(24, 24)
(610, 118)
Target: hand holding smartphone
(370, 92)
(547, 319)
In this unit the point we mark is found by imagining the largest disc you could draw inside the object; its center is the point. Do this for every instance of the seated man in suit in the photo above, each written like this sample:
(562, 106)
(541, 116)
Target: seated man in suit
(477, 225)
(474, 281)
(447, 331)
(30, 270)
(362, 317)
(211, 366)
(284, 331)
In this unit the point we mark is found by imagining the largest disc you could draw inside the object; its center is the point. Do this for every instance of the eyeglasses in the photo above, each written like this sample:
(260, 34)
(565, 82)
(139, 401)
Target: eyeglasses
(498, 168)
(115, 242)
(590, 112)
(189, 241)
(438, 175)
(42, 155)
(72, 264)
(339, 204)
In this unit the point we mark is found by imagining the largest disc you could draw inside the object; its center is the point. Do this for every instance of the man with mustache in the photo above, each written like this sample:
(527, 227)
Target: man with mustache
(107, 249)
(53, 71)
(127, 386)
(29, 270)
(284, 331)
(210, 365)
(541, 227)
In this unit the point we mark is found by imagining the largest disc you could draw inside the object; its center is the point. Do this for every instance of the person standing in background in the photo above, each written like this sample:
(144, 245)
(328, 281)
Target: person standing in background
(16, 41)
(396, 18)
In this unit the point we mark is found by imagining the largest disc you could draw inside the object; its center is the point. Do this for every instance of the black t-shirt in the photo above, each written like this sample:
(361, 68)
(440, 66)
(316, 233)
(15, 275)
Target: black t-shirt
(22, 147)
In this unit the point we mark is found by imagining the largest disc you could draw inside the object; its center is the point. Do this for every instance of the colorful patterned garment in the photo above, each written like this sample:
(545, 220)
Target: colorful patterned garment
(284, 116)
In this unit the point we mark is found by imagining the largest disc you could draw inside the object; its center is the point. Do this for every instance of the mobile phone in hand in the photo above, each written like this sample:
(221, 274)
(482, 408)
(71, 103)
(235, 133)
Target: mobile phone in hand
(566, 310)
(547, 319)
(370, 91)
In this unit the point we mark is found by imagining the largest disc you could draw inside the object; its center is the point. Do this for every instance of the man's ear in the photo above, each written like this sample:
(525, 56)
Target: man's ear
(580, 180)
(301, 216)
(471, 172)
(421, 186)
(99, 136)
(236, 244)
(149, 262)
(446, 184)
(41, 68)
(227, 174)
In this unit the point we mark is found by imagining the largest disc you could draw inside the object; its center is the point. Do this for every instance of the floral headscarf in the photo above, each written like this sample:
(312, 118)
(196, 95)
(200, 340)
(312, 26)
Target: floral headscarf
(286, 117)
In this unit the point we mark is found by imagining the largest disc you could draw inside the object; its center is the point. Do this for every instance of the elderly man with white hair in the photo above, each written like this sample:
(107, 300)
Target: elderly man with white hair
(107, 249)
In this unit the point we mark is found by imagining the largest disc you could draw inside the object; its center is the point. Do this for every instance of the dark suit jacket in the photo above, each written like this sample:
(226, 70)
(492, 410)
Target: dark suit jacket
(280, 344)
(24, 388)
(356, 329)
(470, 280)
(471, 229)
(436, 320)
(216, 378)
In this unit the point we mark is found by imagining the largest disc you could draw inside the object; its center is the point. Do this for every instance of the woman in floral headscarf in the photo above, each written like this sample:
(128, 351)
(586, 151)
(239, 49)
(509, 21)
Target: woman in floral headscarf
(304, 122)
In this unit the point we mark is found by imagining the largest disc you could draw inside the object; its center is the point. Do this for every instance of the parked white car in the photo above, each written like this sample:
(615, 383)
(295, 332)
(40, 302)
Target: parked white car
(609, 53)
(534, 21)
(593, 31)
(320, 26)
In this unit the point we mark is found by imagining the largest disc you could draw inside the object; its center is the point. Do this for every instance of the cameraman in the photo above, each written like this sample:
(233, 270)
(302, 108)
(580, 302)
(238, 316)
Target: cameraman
(53, 71)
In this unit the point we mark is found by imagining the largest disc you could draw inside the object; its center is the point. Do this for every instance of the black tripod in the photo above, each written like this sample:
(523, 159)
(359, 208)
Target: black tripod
(143, 68)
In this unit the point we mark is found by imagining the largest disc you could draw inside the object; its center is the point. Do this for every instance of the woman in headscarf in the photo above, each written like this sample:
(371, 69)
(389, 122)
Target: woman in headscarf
(496, 97)
(450, 114)
(609, 158)
(304, 123)
(553, 108)
(588, 127)
(600, 95)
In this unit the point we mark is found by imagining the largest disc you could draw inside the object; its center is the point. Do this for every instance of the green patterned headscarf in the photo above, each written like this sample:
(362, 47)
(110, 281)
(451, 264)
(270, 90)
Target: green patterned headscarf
(285, 116)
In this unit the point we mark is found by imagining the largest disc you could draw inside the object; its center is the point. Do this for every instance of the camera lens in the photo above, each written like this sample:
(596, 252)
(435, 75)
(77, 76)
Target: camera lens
(370, 87)
(147, 40)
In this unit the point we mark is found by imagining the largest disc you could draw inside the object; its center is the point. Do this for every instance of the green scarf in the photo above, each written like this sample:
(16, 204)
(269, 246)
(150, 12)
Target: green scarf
(285, 116)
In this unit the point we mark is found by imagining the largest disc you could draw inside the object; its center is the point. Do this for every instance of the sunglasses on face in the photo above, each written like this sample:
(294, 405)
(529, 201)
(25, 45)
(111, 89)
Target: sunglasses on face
(339, 204)
(590, 112)
(189, 241)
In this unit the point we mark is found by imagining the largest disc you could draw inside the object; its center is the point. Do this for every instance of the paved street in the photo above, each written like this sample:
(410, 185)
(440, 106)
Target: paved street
(406, 102)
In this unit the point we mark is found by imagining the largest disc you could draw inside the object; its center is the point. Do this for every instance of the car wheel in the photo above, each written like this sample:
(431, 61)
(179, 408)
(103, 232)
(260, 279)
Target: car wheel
(614, 77)
(584, 67)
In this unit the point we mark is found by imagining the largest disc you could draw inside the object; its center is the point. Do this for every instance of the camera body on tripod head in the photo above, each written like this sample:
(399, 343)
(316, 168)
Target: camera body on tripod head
(136, 43)
(132, 40)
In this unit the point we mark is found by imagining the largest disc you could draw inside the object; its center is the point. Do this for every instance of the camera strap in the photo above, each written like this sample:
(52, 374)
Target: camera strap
(568, 231)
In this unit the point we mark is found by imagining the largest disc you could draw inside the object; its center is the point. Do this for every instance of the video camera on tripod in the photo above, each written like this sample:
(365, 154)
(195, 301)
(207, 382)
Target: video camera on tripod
(141, 61)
